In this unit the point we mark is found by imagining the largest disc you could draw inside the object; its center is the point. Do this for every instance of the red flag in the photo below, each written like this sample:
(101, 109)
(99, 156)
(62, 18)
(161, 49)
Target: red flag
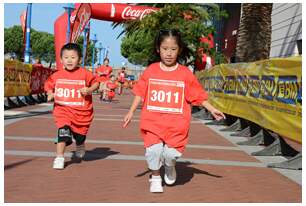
(82, 16)
(23, 18)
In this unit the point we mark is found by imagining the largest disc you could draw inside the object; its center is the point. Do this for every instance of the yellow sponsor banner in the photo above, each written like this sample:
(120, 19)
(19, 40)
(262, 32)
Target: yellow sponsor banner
(17, 76)
(267, 92)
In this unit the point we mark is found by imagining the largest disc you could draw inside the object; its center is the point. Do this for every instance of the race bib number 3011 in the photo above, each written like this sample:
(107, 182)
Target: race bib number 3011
(67, 92)
(165, 96)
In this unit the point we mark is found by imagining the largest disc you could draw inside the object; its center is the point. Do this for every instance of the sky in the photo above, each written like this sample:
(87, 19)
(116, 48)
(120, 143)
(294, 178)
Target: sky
(44, 16)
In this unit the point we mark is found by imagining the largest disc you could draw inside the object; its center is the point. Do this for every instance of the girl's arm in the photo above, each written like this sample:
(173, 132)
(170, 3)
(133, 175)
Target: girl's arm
(129, 115)
(215, 113)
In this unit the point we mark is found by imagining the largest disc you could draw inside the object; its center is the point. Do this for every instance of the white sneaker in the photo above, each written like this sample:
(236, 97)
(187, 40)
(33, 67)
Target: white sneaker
(170, 175)
(80, 151)
(156, 184)
(59, 163)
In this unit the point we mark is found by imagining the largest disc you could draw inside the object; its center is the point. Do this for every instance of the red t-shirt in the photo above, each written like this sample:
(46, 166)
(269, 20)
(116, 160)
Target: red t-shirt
(111, 85)
(166, 111)
(121, 76)
(106, 70)
(70, 107)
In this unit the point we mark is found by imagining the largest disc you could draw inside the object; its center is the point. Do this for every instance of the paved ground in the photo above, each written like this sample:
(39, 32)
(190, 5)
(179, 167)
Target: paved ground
(213, 168)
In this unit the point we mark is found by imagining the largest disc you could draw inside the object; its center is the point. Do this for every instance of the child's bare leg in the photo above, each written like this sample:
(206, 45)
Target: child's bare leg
(104, 94)
(60, 149)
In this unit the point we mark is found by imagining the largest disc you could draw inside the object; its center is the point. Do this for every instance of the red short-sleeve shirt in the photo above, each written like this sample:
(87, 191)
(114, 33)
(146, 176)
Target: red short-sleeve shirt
(166, 111)
(106, 70)
(70, 107)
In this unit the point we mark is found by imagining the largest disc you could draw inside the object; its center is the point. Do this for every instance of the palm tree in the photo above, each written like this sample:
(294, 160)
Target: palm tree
(254, 34)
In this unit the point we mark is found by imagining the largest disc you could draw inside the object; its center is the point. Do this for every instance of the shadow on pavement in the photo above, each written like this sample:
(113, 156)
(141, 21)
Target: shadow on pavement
(28, 114)
(10, 166)
(95, 154)
(184, 173)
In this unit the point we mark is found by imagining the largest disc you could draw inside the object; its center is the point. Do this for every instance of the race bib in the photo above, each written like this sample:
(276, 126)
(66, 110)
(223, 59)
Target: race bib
(165, 96)
(67, 92)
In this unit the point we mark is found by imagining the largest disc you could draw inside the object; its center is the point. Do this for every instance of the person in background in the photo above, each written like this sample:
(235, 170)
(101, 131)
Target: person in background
(103, 72)
(121, 80)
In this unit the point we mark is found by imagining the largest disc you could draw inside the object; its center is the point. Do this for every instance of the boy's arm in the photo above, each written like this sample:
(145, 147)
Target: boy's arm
(128, 117)
(93, 87)
(88, 90)
(50, 95)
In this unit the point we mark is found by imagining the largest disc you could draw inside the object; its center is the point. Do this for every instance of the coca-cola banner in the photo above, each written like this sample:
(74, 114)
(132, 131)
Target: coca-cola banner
(106, 12)
(39, 75)
(119, 12)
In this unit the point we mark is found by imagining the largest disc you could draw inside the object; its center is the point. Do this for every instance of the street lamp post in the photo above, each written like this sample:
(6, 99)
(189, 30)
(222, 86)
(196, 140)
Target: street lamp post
(103, 53)
(86, 30)
(100, 47)
(27, 52)
(94, 41)
(68, 8)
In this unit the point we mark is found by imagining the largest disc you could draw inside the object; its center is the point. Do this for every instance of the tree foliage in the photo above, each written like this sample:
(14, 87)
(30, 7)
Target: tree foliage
(192, 20)
(42, 44)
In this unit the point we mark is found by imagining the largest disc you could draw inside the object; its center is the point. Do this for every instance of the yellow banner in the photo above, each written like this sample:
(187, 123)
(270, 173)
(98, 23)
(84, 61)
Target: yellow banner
(16, 78)
(267, 92)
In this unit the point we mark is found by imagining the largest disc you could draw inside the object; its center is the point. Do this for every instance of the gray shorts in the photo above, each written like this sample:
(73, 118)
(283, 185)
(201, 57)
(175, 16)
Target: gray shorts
(160, 154)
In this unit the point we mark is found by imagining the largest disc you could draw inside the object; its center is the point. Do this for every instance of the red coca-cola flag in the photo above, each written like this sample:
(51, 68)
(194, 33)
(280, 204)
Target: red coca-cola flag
(80, 20)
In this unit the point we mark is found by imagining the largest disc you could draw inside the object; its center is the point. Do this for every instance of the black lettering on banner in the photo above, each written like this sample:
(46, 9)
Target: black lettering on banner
(211, 84)
(287, 89)
(219, 82)
(254, 86)
(268, 87)
(206, 83)
(242, 85)
(230, 85)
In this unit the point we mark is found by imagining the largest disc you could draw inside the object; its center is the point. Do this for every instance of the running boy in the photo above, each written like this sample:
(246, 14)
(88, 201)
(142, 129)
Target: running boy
(167, 89)
(71, 89)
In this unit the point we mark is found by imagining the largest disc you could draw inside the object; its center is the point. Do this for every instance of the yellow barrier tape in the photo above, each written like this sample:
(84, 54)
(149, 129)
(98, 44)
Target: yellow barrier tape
(267, 92)
(16, 78)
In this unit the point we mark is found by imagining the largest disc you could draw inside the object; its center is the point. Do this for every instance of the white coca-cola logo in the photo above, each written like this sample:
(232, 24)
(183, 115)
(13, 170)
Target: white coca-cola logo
(129, 13)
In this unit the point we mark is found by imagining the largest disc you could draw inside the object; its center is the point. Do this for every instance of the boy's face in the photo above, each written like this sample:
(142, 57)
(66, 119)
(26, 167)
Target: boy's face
(70, 59)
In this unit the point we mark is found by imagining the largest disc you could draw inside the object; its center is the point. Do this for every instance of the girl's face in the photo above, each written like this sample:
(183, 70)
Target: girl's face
(70, 59)
(169, 51)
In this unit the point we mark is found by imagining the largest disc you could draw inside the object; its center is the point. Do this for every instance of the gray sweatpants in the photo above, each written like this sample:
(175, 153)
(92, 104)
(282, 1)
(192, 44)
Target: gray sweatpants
(160, 154)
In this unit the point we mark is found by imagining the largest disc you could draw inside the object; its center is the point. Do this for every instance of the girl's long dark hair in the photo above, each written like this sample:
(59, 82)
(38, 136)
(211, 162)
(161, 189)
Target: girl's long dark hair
(165, 33)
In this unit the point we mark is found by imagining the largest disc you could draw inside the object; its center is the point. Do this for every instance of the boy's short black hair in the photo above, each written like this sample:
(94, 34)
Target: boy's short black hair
(72, 46)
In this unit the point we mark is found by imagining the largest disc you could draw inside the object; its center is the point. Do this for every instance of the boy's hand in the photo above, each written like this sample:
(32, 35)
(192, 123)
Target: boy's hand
(85, 91)
(217, 114)
(127, 119)
(50, 97)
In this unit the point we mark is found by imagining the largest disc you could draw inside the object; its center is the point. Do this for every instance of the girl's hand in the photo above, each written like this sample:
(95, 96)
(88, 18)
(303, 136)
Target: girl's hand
(50, 97)
(127, 119)
(217, 114)
(85, 91)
